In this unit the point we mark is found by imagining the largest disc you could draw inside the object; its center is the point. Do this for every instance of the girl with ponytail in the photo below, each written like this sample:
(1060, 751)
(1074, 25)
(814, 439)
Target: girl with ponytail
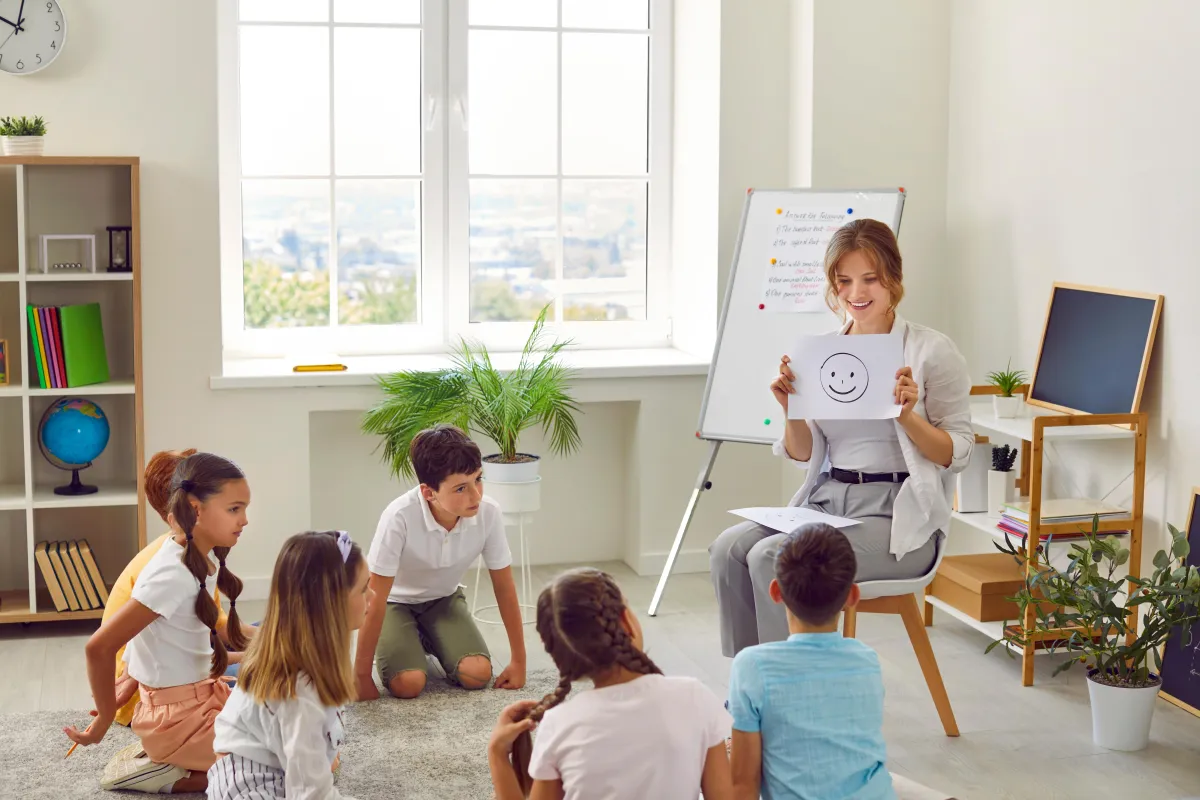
(637, 733)
(171, 627)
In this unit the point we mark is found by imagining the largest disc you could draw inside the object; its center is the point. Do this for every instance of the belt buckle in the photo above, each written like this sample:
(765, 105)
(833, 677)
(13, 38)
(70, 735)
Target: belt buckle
(860, 478)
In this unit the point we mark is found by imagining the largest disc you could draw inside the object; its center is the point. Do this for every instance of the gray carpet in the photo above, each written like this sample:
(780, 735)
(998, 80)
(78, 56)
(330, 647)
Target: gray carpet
(433, 747)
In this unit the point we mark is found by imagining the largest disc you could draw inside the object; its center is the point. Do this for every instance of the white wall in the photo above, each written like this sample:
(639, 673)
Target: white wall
(1072, 157)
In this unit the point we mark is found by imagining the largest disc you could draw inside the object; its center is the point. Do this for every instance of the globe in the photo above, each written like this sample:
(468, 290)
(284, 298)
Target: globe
(72, 434)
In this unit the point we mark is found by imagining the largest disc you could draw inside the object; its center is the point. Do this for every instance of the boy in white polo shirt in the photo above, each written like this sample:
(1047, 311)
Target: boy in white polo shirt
(426, 540)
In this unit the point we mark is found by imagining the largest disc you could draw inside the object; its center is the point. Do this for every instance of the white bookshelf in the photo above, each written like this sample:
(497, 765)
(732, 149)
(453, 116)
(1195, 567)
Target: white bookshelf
(55, 195)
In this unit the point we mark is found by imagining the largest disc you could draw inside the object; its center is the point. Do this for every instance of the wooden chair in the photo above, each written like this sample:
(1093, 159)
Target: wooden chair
(900, 597)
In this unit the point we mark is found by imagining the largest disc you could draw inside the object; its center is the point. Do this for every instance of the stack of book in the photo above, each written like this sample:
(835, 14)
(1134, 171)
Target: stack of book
(67, 343)
(1014, 519)
(72, 575)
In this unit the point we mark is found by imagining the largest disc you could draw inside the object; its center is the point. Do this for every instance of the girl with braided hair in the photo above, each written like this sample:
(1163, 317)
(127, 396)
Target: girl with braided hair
(637, 733)
(170, 626)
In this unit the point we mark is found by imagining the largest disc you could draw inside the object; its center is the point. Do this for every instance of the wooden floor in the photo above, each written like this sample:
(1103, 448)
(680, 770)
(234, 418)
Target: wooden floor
(1016, 742)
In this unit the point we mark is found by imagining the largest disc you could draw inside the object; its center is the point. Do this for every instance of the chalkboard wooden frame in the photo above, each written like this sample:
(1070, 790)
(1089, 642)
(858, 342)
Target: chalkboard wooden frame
(1191, 526)
(1137, 397)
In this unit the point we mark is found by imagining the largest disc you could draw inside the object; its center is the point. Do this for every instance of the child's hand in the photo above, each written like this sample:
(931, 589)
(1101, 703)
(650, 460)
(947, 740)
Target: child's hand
(508, 728)
(92, 734)
(126, 688)
(367, 690)
(513, 677)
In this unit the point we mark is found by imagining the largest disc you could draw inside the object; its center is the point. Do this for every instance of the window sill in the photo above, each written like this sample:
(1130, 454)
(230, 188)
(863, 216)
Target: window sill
(276, 373)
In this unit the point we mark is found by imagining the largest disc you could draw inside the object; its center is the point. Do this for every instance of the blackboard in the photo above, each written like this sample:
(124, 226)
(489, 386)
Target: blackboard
(1095, 350)
(1181, 668)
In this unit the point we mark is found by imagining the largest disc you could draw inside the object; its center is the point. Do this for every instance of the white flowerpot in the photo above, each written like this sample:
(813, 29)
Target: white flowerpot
(1002, 489)
(1006, 407)
(515, 498)
(519, 472)
(23, 145)
(1120, 716)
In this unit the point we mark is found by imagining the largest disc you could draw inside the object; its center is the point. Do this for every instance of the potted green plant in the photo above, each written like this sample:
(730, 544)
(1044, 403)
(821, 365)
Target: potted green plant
(474, 395)
(1090, 594)
(1002, 489)
(1005, 405)
(23, 136)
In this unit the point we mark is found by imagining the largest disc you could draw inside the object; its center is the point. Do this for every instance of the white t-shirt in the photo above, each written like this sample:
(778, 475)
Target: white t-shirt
(299, 736)
(645, 738)
(174, 649)
(427, 561)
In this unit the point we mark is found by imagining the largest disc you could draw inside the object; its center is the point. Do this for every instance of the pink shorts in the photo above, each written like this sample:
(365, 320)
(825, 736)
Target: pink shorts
(176, 724)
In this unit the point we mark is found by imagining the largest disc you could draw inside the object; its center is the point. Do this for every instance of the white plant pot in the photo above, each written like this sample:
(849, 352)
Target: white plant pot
(1121, 717)
(23, 145)
(521, 472)
(1006, 407)
(1002, 489)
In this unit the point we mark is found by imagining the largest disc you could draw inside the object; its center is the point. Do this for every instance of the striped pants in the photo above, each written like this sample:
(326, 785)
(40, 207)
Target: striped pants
(235, 777)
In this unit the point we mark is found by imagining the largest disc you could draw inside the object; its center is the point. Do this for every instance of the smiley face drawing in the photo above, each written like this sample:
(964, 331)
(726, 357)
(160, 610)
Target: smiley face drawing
(844, 377)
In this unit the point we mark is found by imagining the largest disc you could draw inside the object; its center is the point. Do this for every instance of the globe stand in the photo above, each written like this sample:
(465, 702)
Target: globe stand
(76, 486)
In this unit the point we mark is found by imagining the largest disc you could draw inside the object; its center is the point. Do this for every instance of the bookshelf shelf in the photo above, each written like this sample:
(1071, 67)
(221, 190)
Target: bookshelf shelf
(54, 195)
(1021, 427)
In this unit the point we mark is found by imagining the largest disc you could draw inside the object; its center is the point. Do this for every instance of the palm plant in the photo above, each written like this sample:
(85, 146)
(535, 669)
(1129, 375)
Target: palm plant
(1007, 380)
(474, 395)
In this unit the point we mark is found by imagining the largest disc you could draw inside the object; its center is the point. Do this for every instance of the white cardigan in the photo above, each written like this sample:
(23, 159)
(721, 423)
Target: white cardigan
(924, 501)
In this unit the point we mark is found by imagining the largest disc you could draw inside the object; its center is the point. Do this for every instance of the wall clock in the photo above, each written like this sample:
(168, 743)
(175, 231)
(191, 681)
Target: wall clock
(32, 33)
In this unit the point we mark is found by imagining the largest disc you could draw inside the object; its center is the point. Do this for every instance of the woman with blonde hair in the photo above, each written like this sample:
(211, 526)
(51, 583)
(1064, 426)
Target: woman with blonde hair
(894, 476)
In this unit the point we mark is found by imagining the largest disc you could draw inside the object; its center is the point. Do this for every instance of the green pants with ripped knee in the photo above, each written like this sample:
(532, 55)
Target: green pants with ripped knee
(443, 628)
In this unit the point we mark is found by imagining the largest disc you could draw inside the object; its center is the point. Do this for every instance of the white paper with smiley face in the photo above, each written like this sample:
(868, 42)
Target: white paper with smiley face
(846, 377)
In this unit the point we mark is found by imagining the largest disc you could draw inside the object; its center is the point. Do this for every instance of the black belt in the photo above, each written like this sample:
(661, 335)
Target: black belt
(850, 476)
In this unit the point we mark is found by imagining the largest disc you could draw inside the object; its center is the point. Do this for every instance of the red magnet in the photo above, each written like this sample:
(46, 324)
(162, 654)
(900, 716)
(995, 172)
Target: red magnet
(761, 306)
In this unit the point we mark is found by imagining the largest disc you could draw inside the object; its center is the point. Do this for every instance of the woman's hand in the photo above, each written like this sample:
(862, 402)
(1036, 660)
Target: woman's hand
(511, 724)
(781, 387)
(905, 392)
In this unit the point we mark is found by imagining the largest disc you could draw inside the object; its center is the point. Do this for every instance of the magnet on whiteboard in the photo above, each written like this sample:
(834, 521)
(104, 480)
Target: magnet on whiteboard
(767, 421)
(779, 211)
(849, 210)
(772, 261)
(761, 306)
(901, 188)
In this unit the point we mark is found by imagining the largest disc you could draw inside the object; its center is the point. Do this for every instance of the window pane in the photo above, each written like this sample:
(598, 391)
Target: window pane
(604, 250)
(379, 251)
(514, 237)
(284, 10)
(386, 11)
(285, 121)
(521, 13)
(513, 107)
(606, 14)
(604, 103)
(285, 253)
(377, 94)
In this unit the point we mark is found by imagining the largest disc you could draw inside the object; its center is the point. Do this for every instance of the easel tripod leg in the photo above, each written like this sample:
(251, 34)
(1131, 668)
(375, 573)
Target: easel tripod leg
(702, 484)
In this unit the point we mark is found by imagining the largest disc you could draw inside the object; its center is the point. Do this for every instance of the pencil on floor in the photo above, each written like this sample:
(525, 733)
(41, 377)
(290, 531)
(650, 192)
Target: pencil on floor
(72, 750)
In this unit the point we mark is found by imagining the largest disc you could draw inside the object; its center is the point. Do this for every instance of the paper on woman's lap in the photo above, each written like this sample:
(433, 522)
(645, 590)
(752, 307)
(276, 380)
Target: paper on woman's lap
(846, 377)
(790, 518)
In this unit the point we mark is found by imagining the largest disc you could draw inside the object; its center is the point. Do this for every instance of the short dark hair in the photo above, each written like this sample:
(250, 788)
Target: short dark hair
(815, 569)
(442, 451)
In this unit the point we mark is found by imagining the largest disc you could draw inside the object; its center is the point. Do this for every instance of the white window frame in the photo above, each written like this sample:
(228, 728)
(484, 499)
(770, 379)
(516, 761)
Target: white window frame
(444, 277)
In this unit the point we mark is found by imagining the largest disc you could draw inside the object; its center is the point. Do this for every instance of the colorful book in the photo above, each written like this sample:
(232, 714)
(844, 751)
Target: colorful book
(56, 336)
(1065, 510)
(35, 346)
(86, 361)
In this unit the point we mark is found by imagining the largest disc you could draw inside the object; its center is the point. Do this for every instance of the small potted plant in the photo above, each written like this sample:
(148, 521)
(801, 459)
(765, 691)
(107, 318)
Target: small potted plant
(1008, 380)
(1090, 595)
(1002, 489)
(474, 395)
(23, 136)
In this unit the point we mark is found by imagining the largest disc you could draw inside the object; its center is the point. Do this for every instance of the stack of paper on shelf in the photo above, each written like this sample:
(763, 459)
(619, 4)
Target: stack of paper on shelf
(67, 343)
(1015, 517)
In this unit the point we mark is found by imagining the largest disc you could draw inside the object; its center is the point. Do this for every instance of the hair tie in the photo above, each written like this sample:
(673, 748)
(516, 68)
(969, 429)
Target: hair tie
(344, 543)
(204, 584)
(232, 604)
(188, 485)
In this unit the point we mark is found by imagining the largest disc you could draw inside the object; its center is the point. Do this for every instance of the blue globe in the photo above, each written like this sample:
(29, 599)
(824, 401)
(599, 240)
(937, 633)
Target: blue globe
(74, 432)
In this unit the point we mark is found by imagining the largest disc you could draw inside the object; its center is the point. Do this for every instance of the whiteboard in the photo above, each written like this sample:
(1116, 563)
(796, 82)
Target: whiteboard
(760, 320)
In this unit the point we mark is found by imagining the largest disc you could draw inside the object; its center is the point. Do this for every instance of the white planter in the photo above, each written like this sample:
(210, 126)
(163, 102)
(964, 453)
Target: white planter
(1006, 407)
(23, 145)
(1121, 717)
(515, 498)
(521, 472)
(1001, 488)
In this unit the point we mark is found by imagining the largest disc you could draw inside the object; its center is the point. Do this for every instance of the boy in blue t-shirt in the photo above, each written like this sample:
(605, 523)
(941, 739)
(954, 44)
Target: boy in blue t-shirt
(808, 712)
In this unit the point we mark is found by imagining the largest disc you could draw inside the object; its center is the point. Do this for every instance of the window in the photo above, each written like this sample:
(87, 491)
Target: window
(396, 173)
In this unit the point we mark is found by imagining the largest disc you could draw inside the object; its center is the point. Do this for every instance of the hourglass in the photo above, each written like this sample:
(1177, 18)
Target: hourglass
(119, 258)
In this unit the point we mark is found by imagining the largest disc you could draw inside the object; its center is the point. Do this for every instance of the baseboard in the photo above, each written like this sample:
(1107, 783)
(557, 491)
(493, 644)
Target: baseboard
(687, 561)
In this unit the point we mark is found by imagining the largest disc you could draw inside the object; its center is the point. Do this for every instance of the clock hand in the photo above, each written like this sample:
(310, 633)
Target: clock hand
(21, 15)
(16, 25)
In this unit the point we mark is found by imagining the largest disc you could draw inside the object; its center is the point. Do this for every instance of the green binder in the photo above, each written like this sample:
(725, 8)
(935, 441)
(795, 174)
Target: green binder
(83, 345)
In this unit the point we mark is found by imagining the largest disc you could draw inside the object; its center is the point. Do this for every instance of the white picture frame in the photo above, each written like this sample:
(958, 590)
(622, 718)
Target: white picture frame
(89, 249)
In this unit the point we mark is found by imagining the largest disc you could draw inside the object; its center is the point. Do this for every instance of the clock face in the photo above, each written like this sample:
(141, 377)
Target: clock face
(31, 35)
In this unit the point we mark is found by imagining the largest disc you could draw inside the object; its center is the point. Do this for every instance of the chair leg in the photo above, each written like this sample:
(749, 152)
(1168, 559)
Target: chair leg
(914, 622)
(849, 622)
(928, 608)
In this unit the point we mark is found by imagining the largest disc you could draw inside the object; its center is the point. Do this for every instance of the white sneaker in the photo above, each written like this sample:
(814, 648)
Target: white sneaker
(130, 769)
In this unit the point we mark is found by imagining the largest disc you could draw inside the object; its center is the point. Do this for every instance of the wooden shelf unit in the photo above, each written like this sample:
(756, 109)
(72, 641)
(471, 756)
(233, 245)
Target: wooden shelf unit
(1035, 428)
(68, 195)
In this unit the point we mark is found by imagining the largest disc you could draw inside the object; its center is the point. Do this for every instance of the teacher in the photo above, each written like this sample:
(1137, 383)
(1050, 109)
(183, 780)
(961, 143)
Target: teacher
(894, 476)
